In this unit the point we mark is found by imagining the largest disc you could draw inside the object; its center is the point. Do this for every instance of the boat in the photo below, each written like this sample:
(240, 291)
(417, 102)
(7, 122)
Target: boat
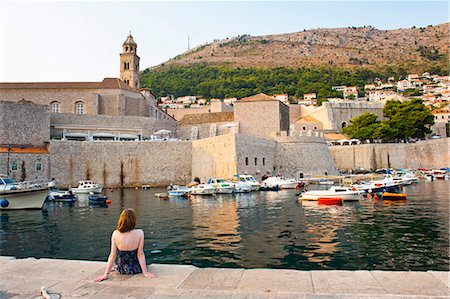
(326, 183)
(329, 201)
(22, 195)
(378, 186)
(344, 193)
(255, 185)
(280, 182)
(242, 187)
(203, 189)
(98, 199)
(177, 191)
(62, 196)
(394, 196)
(86, 187)
(221, 186)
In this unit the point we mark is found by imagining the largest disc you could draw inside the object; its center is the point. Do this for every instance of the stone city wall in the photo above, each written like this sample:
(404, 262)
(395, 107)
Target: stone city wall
(116, 164)
(24, 124)
(307, 155)
(426, 154)
(255, 155)
(148, 125)
(179, 113)
(214, 157)
(200, 131)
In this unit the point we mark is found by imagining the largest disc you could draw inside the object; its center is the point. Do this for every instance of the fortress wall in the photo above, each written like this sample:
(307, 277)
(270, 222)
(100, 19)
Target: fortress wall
(214, 157)
(261, 149)
(26, 166)
(426, 154)
(115, 164)
(24, 124)
(148, 125)
(204, 130)
(345, 111)
(307, 155)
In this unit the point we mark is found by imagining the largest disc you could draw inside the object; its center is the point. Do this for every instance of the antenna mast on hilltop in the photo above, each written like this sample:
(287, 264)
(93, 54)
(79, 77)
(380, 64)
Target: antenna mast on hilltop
(189, 44)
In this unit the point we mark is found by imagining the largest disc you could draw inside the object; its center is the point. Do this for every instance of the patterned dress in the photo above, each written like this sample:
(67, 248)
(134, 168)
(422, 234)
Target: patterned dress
(127, 262)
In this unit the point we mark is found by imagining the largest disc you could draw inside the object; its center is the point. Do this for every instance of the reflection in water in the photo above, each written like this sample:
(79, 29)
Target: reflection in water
(261, 229)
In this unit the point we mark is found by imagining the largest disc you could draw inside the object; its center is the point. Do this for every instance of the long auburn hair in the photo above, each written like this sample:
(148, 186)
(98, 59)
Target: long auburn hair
(127, 221)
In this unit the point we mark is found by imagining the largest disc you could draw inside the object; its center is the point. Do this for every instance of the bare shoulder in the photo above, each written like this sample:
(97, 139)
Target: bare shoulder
(139, 231)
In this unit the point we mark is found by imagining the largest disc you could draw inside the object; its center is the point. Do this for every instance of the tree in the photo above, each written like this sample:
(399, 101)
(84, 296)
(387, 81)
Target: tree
(362, 127)
(409, 119)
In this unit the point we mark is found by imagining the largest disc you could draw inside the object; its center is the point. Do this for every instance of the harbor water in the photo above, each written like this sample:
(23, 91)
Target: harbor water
(255, 230)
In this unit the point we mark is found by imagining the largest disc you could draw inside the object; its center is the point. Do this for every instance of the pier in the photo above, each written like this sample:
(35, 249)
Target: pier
(23, 278)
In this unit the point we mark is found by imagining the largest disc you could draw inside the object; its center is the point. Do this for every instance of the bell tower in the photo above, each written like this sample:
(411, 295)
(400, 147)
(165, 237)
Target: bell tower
(129, 63)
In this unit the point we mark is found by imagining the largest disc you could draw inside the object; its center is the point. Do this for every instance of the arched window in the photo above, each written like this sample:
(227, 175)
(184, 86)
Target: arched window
(343, 124)
(55, 107)
(79, 108)
(126, 49)
(13, 166)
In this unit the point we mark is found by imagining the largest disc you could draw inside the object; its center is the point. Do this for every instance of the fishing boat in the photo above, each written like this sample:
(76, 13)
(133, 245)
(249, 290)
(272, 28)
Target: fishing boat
(255, 185)
(98, 199)
(177, 191)
(22, 195)
(62, 196)
(86, 187)
(394, 196)
(280, 182)
(344, 193)
(203, 189)
(221, 186)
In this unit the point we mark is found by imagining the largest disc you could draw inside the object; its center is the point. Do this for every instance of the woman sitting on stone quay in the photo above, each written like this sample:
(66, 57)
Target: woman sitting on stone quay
(127, 243)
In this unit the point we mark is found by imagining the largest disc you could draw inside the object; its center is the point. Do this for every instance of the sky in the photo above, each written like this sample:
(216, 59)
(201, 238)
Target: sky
(81, 41)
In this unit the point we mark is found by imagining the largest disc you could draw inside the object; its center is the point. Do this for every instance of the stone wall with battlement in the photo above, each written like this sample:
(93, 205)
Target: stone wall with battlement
(426, 154)
(115, 164)
(24, 124)
(199, 131)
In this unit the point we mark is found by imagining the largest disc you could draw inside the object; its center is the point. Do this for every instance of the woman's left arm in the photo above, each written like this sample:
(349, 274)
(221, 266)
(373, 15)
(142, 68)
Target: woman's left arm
(141, 256)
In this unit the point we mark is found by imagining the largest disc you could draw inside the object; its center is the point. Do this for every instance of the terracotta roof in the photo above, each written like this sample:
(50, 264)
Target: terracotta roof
(334, 136)
(204, 118)
(308, 119)
(441, 110)
(258, 98)
(18, 150)
(107, 83)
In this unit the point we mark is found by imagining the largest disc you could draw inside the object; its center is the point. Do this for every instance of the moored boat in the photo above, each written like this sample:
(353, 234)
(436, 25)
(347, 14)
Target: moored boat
(394, 196)
(202, 189)
(22, 195)
(86, 187)
(177, 191)
(255, 185)
(62, 196)
(221, 186)
(344, 193)
(274, 181)
(98, 199)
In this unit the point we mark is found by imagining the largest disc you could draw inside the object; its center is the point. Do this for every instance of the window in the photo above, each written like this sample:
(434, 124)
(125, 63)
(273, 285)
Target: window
(246, 161)
(304, 128)
(264, 161)
(256, 161)
(55, 107)
(38, 166)
(126, 49)
(315, 128)
(13, 166)
(79, 108)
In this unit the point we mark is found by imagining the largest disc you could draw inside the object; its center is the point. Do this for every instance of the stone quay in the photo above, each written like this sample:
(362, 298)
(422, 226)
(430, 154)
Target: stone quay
(23, 278)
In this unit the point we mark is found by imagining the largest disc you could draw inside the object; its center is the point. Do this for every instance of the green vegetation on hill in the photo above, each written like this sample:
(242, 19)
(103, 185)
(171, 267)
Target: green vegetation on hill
(224, 82)
(408, 119)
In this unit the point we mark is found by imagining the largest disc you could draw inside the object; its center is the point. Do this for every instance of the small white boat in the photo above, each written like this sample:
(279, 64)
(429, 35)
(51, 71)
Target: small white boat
(344, 193)
(178, 191)
(221, 186)
(275, 181)
(85, 187)
(22, 195)
(203, 189)
(249, 179)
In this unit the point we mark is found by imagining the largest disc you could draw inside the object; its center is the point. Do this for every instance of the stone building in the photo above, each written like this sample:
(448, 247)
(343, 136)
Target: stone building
(129, 63)
(24, 139)
(262, 115)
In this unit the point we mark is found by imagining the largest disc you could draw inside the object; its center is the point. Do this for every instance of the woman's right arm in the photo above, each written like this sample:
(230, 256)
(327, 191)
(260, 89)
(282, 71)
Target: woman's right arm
(111, 259)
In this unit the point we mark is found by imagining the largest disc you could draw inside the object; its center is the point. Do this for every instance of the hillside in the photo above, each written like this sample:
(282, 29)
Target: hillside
(412, 49)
